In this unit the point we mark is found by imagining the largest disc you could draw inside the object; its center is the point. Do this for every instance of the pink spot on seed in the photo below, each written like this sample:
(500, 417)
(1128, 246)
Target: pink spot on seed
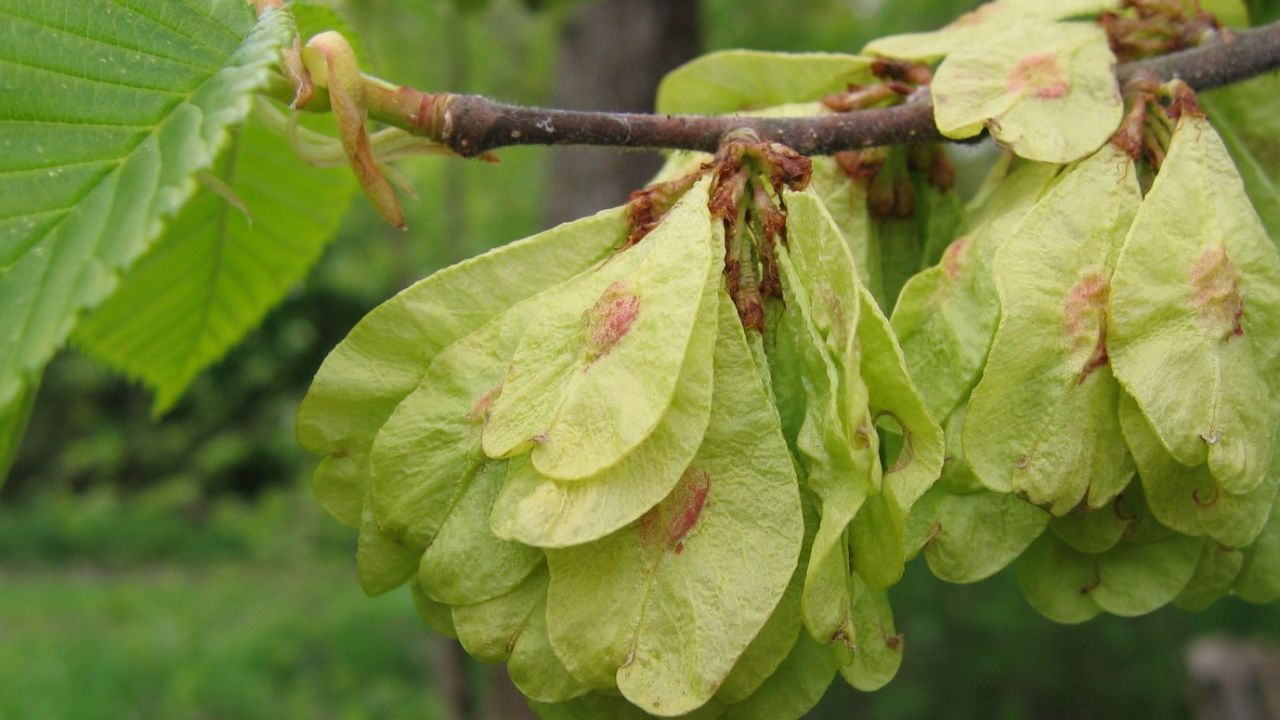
(1041, 75)
(610, 319)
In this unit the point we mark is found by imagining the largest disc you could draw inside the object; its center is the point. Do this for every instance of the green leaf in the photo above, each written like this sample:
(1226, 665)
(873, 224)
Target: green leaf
(108, 111)
(465, 562)
(971, 536)
(732, 81)
(1042, 421)
(1196, 303)
(946, 316)
(538, 510)
(384, 357)
(12, 425)
(218, 269)
(623, 332)
(665, 606)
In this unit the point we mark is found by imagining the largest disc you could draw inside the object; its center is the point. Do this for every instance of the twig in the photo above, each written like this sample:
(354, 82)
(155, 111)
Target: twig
(472, 125)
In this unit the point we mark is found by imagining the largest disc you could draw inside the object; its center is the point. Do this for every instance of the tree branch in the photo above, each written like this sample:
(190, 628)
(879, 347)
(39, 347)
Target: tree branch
(472, 125)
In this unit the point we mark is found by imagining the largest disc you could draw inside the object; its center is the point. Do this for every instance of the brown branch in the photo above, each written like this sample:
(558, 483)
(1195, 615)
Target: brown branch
(472, 125)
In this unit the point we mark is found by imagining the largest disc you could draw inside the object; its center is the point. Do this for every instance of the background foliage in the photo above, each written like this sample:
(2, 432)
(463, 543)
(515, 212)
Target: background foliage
(158, 566)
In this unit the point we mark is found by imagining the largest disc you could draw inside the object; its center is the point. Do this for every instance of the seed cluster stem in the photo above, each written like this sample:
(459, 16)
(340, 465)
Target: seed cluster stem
(472, 125)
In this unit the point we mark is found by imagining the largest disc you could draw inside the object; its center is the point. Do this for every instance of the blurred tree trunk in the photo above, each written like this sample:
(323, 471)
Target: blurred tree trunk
(612, 55)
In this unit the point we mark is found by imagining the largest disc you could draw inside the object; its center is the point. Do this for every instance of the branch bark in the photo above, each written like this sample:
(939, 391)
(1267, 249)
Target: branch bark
(472, 125)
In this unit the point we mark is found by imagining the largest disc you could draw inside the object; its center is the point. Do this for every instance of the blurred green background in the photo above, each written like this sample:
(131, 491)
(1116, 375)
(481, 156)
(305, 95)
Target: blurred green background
(178, 568)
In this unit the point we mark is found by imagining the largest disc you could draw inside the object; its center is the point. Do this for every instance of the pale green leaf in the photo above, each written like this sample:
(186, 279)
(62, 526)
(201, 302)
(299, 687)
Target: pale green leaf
(893, 396)
(1196, 303)
(1042, 421)
(538, 510)
(340, 484)
(665, 606)
(1045, 90)
(733, 81)
(218, 269)
(107, 112)
(427, 452)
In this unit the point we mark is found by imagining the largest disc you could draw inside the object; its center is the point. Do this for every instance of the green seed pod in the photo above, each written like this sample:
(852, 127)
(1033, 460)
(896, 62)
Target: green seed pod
(1259, 579)
(946, 316)
(1190, 500)
(385, 356)
(1147, 569)
(538, 510)
(1045, 90)
(1215, 575)
(1042, 421)
(1196, 304)
(623, 333)
(973, 30)
(666, 606)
